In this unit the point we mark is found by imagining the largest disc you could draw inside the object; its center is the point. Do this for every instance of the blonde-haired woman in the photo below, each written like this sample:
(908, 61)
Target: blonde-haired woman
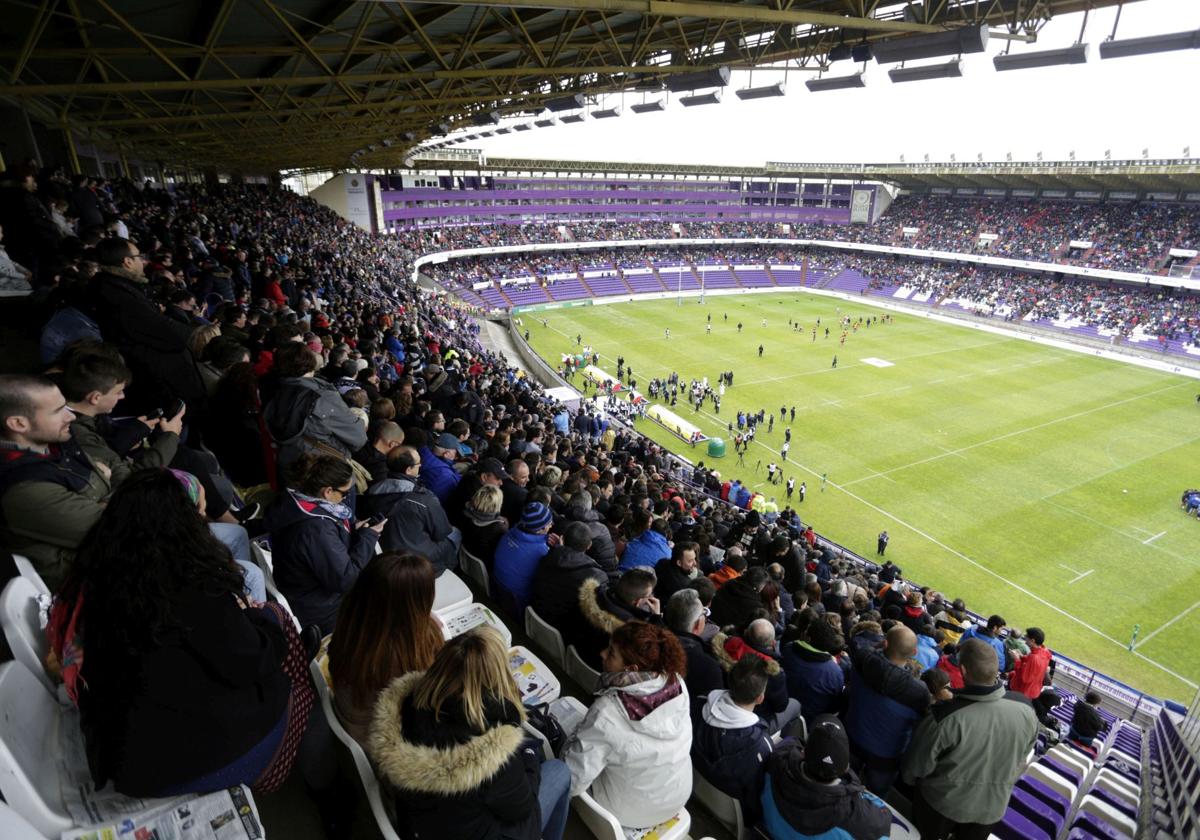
(482, 524)
(450, 742)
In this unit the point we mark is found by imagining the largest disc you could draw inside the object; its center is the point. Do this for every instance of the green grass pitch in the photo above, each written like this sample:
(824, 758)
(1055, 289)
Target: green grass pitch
(1034, 482)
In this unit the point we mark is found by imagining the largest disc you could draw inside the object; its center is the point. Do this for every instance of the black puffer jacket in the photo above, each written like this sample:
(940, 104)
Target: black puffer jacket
(451, 781)
(795, 806)
(416, 521)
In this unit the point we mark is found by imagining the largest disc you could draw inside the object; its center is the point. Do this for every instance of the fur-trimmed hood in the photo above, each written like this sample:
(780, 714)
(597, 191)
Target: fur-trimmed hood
(425, 769)
(728, 650)
(596, 615)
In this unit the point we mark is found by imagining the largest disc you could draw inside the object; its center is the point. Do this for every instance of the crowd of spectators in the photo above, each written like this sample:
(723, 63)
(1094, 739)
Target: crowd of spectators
(239, 356)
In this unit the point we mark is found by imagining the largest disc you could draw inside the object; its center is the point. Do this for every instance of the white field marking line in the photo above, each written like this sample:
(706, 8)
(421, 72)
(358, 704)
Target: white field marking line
(1112, 470)
(961, 556)
(1080, 577)
(1069, 569)
(1028, 429)
(1118, 531)
(1158, 630)
(1135, 527)
(1152, 539)
(948, 452)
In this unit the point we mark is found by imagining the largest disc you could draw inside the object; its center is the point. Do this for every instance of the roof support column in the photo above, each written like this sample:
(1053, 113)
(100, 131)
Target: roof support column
(72, 154)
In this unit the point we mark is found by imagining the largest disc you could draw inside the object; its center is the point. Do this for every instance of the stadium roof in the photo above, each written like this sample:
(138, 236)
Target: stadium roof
(256, 85)
(1181, 175)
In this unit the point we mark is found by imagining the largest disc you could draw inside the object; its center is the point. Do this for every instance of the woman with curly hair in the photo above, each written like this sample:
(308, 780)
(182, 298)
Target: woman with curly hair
(633, 748)
(184, 685)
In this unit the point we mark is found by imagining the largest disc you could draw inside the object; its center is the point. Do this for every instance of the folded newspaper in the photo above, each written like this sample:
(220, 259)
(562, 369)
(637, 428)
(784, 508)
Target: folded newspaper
(107, 815)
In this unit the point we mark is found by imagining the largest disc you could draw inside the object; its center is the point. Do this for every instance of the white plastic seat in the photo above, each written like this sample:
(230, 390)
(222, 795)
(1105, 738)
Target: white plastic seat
(585, 675)
(604, 826)
(23, 630)
(902, 828)
(1058, 783)
(727, 809)
(1075, 760)
(15, 827)
(366, 774)
(1113, 816)
(262, 556)
(1117, 785)
(26, 569)
(547, 638)
(29, 777)
(475, 570)
(450, 593)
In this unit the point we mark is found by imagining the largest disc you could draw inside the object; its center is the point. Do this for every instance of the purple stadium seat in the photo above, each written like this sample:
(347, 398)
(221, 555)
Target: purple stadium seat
(1115, 801)
(1037, 811)
(1061, 769)
(1046, 793)
(1092, 826)
(1015, 826)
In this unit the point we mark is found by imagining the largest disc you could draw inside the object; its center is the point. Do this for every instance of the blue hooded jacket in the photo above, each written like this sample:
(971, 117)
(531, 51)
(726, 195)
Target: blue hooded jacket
(646, 550)
(517, 557)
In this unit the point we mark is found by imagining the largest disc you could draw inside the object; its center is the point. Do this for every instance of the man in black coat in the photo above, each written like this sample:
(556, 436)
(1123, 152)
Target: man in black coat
(684, 616)
(677, 571)
(605, 608)
(559, 577)
(738, 601)
(155, 347)
(603, 551)
(415, 519)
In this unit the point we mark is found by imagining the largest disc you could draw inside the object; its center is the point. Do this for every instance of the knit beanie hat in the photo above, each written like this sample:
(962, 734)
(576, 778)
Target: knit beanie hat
(827, 750)
(535, 517)
(191, 484)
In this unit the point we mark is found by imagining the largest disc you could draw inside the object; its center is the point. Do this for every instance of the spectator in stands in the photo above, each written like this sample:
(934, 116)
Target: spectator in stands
(777, 710)
(518, 555)
(967, 754)
(732, 743)
(382, 437)
(514, 490)
(14, 277)
(734, 565)
(1029, 672)
(953, 621)
(647, 544)
(437, 466)
(416, 522)
(385, 629)
(154, 346)
(307, 415)
(813, 675)
(684, 616)
(51, 493)
(886, 701)
(603, 549)
(559, 579)
(738, 601)
(606, 608)
(1086, 723)
(181, 681)
(991, 634)
(810, 790)
(482, 524)
(677, 571)
(319, 548)
(632, 751)
(449, 741)
(488, 472)
(949, 663)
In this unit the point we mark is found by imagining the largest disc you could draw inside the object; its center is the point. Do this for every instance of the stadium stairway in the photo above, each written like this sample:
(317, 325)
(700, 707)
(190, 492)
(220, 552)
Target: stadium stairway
(503, 295)
(654, 273)
(771, 274)
(583, 282)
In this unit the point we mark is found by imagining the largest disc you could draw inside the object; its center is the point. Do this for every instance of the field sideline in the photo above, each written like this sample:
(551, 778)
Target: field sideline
(998, 466)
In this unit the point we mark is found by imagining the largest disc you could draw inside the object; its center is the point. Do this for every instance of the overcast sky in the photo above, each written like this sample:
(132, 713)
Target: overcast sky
(1122, 104)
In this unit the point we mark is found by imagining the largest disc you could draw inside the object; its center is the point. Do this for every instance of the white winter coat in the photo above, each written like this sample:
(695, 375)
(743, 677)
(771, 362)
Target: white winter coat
(641, 771)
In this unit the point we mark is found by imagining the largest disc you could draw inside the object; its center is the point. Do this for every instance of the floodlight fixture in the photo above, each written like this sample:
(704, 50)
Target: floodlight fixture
(606, 113)
(712, 77)
(765, 92)
(408, 136)
(648, 107)
(968, 39)
(711, 98)
(1074, 54)
(649, 85)
(1153, 44)
(486, 118)
(854, 80)
(576, 117)
(546, 123)
(443, 128)
(949, 70)
(564, 103)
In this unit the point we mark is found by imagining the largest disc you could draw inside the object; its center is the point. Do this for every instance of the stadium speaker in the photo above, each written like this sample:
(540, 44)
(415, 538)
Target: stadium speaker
(761, 92)
(484, 134)
(408, 136)
(442, 128)
(486, 118)
(605, 113)
(546, 123)
(576, 117)
(565, 103)
(712, 77)
(504, 130)
(1153, 44)
(648, 107)
(855, 80)
(949, 70)
(841, 52)
(968, 39)
(862, 52)
(649, 85)
(1075, 54)
(522, 127)
(710, 98)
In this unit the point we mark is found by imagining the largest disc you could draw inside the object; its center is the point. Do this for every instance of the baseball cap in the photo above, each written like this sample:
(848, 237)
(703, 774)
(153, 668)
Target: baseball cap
(447, 441)
(493, 466)
(827, 750)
